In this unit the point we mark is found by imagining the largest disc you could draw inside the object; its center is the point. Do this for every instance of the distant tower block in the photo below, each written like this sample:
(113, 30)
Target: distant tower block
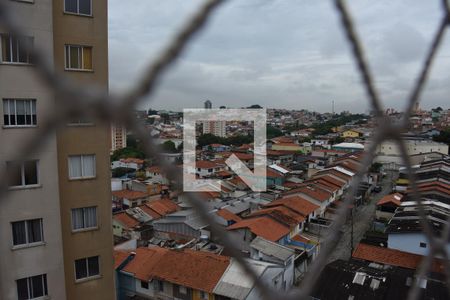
(416, 107)
(208, 104)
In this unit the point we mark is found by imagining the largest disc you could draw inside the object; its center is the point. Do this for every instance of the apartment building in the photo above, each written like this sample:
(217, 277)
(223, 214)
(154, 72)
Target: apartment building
(217, 128)
(118, 137)
(55, 223)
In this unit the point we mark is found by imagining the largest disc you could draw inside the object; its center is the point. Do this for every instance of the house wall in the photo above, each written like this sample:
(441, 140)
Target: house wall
(272, 278)
(241, 238)
(42, 202)
(410, 242)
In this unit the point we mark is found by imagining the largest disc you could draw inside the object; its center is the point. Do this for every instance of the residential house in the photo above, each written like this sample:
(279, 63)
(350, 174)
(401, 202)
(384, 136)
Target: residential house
(160, 273)
(129, 198)
(405, 231)
(245, 231)
(387, 205)
(129, 163)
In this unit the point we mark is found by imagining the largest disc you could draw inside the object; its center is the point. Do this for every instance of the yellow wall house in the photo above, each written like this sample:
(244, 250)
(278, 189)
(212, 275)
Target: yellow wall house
(351, 134)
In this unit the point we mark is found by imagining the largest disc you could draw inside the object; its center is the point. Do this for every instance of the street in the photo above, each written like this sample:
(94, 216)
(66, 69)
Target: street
(362, 220)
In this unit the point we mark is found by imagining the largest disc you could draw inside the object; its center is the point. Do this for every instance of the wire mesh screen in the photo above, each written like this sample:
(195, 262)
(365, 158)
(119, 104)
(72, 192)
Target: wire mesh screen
(92, 102)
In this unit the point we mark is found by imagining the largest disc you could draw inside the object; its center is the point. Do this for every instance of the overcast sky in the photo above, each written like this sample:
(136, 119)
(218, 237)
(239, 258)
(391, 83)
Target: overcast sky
(279, 54)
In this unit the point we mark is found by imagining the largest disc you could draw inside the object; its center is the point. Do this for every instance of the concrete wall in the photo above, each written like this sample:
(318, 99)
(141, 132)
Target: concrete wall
(20, 81)
(410, 242)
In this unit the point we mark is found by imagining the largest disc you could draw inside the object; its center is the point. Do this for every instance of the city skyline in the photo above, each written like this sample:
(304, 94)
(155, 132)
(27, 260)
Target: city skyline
(261, 53)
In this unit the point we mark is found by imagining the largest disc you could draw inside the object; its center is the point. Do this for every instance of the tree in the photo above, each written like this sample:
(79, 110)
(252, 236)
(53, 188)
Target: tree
(168, 147)
(119, 172)
(443, 137)
(255, 106)
(375, 167)
(273, 132)
(126, 153)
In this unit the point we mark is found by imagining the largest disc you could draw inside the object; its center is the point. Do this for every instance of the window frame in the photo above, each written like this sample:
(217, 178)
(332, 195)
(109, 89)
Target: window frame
(78, 9)
(84, 219)
(88, 276)
(32, 112)
(145, 285)
(67, 64)
(27, 244)
(22, 173)
(12, 62)
(82, 177)
(30, 286)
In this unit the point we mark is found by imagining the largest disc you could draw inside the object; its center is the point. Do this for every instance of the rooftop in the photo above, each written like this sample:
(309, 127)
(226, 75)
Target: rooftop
(264, 227)
(195, 269)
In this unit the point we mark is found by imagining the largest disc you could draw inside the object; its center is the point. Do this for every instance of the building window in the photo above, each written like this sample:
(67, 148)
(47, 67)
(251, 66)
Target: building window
(16, 49)
(160, 286)
(27, 232)
(22, 174)
(81, 166)
(423, 245)
(86, 267)
(19, 112)
(182, 290)
(144, 285)
(78, 57)
(79, 7)
(32, 287)
(204, 295)
(84, 218)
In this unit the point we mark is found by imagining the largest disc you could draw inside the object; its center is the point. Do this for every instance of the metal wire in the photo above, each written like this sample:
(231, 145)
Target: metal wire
(97, 103)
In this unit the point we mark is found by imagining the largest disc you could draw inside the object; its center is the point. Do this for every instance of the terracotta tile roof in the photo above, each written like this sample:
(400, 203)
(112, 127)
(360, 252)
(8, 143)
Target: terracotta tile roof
(288, 144)
(205, 164)
(209, 195)
(296, 203)
(279, 152)
(264, 227)
(348, 165)
(150, 212)
(395, 198)
(129, 194)
(194, 269)
(281, 213)
(224, 173)
(311, 191)
(154, 169)
(126, 220)
(282, 139)
(323, 184)
(393, 257)
(302, 239)
(331, 180)
(228, 215)
(119, 257)
(132, 160)
(163, 206)
(272, 173)
(246, 146)
(242, 156)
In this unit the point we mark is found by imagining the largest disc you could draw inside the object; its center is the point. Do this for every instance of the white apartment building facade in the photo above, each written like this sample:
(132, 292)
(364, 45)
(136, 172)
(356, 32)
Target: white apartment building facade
(217, 128)
(30, 227)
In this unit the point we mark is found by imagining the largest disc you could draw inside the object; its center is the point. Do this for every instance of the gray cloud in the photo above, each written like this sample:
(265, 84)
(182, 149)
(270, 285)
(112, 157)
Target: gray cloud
(287, 54)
